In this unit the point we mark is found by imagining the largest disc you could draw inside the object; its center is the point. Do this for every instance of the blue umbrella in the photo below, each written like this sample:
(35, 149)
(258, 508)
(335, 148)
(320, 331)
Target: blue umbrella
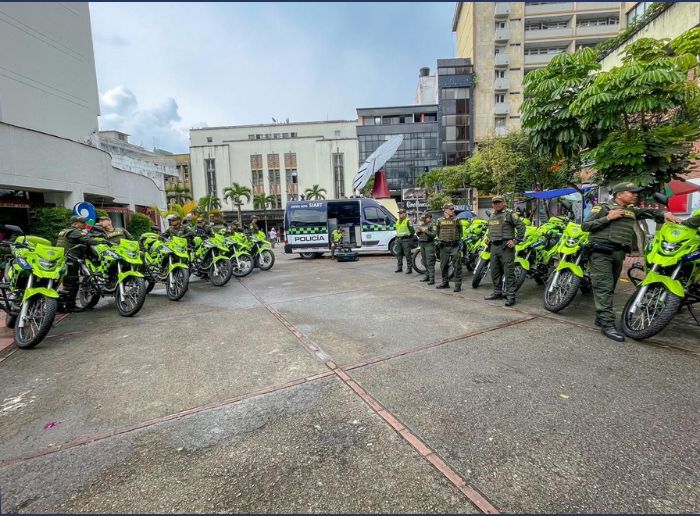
(466, 214)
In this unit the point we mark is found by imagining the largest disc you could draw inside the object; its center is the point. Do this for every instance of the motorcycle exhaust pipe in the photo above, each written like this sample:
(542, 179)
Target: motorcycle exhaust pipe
(25, 306)
(640, 295)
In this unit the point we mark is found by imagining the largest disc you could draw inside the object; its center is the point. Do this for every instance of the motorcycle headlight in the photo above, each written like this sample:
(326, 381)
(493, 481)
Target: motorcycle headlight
(112, 254)
(669, 247)
(166, 249)
(46, 264)
(571, 242)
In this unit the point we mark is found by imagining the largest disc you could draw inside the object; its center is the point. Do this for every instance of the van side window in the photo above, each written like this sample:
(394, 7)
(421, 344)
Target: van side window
(374, 215)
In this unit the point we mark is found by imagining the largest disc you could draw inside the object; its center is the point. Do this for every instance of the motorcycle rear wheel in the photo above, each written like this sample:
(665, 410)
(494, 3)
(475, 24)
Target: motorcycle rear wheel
(520, 276)
(177, 288)
(564, 292)
(88, 296)
(220, 272)
(482, 268)
(242, 267)
(134, 296)
(652, 315)
(41, 311)
(266, 259)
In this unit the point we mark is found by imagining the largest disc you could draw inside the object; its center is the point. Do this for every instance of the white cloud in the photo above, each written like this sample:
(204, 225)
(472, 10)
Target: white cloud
(150, 127)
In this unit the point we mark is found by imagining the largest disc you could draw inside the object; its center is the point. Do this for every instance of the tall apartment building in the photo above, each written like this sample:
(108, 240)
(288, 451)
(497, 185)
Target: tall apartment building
(506, 40)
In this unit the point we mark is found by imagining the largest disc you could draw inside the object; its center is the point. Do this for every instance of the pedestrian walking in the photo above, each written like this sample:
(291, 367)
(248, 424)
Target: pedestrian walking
(448, 233)
(404, 234)
(273, 237)
(506, 230)
(426, 240)
(611, 227)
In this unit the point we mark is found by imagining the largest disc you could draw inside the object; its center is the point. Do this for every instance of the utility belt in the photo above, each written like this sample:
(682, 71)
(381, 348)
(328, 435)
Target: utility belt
(404, 237)
(501, 242)
(608, 247)
(426, 241)
(449, 243)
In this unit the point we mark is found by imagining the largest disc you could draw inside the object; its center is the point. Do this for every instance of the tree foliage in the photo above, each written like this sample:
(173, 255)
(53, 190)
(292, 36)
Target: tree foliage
(48, 222)
(178, 194)
(315, 192)
(139, 224)
(235, 194)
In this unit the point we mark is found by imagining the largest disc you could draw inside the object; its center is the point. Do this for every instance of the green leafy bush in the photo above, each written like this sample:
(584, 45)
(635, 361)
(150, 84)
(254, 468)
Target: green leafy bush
(139, 224)
(48, 222)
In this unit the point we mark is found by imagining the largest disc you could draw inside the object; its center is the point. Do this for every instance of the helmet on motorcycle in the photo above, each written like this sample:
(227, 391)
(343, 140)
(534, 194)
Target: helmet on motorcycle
(173, 216)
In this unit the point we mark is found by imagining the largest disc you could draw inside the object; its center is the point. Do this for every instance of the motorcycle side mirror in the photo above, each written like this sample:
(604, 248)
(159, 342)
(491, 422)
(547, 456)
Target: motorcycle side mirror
(661, 198)
(488, 213)
(10, 228)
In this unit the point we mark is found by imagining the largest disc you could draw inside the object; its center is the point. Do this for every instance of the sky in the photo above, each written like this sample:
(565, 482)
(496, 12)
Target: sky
(163, 68)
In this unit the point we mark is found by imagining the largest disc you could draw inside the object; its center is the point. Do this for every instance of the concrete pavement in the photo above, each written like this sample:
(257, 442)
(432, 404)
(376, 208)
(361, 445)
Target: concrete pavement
(343, 387)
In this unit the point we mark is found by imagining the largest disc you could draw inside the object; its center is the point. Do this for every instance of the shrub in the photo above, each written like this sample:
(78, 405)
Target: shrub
(101, 213)
(139, 224)
(48, 222)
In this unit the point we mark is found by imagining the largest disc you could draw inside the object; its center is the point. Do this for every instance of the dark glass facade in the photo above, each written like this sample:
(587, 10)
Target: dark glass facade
(455, 108)
(419, 151)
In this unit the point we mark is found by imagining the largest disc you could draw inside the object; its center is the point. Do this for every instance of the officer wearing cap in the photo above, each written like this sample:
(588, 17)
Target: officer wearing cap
(426, 241)
(75, 235)
(611, 227)
(112, 234)
(404, 234)
(506, 230)
(177, 228)
(448, 234)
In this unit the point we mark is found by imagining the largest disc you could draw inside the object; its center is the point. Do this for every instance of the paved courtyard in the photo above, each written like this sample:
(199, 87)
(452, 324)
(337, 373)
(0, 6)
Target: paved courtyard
(343, 387)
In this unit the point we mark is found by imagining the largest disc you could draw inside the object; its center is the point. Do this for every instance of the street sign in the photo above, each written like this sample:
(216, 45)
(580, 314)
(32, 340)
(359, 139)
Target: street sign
(412, 193)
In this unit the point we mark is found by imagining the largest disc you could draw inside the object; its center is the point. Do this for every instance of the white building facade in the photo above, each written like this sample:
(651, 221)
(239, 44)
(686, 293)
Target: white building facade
(279, 160)
(49, 107)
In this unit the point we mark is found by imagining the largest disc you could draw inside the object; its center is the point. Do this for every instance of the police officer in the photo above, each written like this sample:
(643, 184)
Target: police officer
(202, 229)
(448, 233)
(426, 239)
(404, 234)
(112, 234)
(611, 227)
(177, 228)
(336, 240)
(506, 230)
(253, 227)
(75, 235)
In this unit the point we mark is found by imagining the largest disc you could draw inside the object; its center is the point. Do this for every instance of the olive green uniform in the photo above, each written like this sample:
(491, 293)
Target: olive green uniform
(403, 247)
(610, 241)
(184, 231)
(117, 235)
(426, 240)
(448, 234)
(67, 239)
(336, 240)
(503, 226)
(692, 222)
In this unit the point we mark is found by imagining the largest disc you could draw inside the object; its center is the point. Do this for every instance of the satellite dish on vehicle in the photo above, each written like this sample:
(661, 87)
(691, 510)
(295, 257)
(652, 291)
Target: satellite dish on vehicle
(376, 161)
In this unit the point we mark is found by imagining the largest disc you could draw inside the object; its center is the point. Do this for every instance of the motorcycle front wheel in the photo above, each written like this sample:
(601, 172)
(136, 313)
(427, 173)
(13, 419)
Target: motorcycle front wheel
(220, 272)
(418, 264)
(654, 312)
(520, 276)
(41, 311)
(482, 268)
(88, 295)
(564, 290)
(177, 283)
(242, 266)
(266, 259)
(131, 302)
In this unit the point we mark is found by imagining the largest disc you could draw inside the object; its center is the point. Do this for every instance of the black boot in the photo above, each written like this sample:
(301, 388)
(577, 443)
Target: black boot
(458, 288)
(612, 333)
(425, 279)
(493, 297)
(598, 323)
(510, 301)
(409, 271)
(443, 285)
(431, 282)
(399, 270)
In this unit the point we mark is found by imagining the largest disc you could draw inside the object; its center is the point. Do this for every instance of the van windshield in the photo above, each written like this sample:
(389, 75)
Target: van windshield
(304, 216)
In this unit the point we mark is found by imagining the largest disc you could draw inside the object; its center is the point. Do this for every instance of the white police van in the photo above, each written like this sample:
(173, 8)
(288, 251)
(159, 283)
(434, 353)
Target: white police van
(368, 226)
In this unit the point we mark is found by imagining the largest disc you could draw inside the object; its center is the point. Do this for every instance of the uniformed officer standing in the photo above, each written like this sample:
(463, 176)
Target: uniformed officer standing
(68, 238)
(448, 234)
(177, 228)
(611, 227)
(506, 230)
(112, 234)
(426, 240)
(336, 240)
(404, 234)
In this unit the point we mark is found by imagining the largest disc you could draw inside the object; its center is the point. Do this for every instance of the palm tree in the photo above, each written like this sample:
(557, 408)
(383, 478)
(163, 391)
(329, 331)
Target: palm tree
(263, 201)
(207, 204)
(235, 193)
(178, 194)
(315, 192)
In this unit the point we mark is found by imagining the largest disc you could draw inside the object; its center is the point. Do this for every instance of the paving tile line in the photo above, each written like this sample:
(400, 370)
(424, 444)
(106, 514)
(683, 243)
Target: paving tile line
(469, 491)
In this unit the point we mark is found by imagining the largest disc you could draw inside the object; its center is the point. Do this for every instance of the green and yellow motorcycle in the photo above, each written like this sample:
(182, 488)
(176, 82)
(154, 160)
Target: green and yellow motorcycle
(242, 262)
(113, 270)
(166, 261)
(571, 273)
(671, 282)
(471, 243)
(484, 262)
(29, 286)
(536, 255)
(209, 259)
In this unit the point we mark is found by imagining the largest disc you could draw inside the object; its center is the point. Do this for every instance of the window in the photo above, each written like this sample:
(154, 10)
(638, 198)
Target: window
(500, 50)
(374, 215)
(210, 170)
(547, 25)
(500, 25)
(302, 217)
(500, 74)
(637, 11)
(273, 174)
(500, 126)
(533, 51)
(293, 135)
(337, 134)
(596, 22)
(339, 174)
(500, 97)
(209, 139)
(256, 173)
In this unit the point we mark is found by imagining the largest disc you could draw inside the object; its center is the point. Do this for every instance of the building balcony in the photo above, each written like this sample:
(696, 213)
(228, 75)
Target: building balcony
(597, 30)
(502, 9)
(538, 59)
(502, 60)
(598, 6)
(566, 32)
(501, 109)
(502, 35)
(501, 84)
(549, 7)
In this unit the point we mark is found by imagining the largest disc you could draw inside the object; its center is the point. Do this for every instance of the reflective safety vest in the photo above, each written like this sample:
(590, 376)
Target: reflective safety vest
(402, 229)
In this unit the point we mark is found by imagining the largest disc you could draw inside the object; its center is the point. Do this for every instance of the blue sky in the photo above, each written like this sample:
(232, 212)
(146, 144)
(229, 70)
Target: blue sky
(163, 68)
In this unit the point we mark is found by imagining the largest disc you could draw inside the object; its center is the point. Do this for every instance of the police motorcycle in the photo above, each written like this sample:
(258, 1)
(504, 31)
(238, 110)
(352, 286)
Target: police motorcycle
(166, 260)
(29, 286)
(572, 270)
(671, 280)
(483, 263)
(242, 262)
(261, 250)
(536, 255)
(471, 243)
(209, 259)
(112, 270)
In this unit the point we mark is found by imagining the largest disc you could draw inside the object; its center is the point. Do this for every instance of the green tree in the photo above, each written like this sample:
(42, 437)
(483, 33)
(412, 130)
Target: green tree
(262, 201)
(315, 192)
(139, 224)
(207, 204)
(48, 222)
(235, 194)
(648, 110)
(178, 194)
(437, 200)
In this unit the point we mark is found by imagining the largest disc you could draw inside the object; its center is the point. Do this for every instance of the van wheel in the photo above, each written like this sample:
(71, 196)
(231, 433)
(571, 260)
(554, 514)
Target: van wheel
(308, 256)
(392, 247)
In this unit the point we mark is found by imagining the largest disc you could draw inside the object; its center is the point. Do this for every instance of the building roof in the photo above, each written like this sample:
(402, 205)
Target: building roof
(455, 18)
(273, 125)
